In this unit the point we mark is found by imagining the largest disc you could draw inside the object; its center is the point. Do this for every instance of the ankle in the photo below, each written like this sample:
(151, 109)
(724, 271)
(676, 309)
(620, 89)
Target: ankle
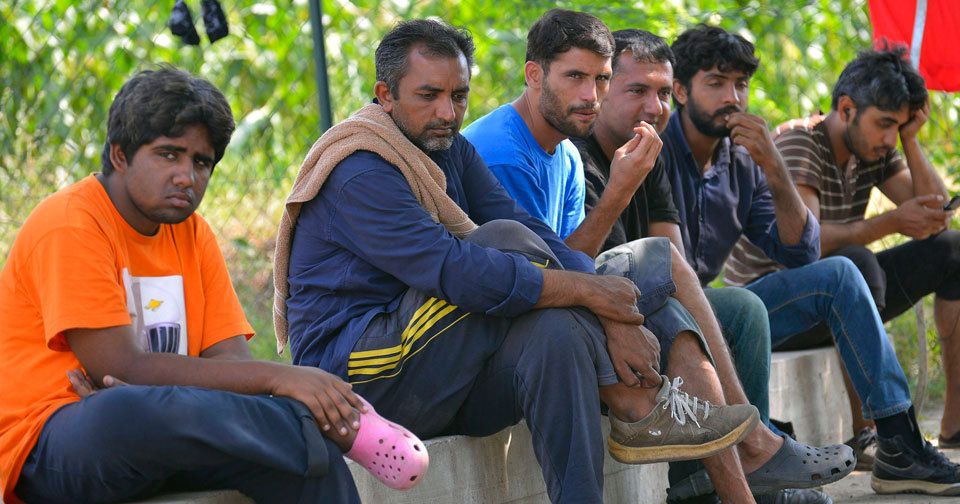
(626, 404)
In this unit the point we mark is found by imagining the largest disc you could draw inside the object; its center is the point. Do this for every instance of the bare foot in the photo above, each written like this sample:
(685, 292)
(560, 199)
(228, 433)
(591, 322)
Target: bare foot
(343, 441)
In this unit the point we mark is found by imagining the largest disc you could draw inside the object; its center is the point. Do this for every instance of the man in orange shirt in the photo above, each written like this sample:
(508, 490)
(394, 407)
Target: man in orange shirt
(118, 276)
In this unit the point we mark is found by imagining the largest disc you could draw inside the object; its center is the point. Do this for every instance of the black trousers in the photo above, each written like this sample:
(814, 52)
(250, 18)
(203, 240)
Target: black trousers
(899, 277)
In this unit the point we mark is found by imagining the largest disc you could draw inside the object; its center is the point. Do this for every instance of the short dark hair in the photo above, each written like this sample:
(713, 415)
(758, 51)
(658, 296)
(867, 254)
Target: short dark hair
(165, 102)
(643, 45)
(881, 78)
(560, 30)
(437, 37)
(704, 47)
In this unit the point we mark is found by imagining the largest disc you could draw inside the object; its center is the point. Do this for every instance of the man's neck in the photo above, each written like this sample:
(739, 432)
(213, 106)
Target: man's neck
(702, 146)
(835, 130)
(546, 136)
(609, 142)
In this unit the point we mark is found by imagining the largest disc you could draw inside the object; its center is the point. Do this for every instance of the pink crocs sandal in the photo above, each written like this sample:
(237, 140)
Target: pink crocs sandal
(391, 453)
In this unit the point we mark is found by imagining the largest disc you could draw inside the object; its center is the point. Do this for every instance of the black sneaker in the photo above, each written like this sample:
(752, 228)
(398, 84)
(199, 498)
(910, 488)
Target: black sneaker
(864, 447)
(900, 469)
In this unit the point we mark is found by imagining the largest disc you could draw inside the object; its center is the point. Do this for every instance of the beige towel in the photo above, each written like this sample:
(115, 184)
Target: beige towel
(369, 129)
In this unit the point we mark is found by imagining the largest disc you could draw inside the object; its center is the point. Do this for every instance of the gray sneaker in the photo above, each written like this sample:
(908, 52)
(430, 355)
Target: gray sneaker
(680, 427)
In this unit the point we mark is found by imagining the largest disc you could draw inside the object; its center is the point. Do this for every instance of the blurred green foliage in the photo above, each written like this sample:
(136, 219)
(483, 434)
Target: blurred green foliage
(61, 62)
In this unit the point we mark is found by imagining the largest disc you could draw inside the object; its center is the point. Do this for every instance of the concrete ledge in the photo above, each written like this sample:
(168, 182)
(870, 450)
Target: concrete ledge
(806, 387)
(217, 497)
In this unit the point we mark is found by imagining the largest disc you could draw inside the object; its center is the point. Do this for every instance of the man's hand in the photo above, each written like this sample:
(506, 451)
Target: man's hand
(751, 132)
(635, 353)
(611, 297)
(633, 161)
(330, 399)
(922, 216)
(909, 129)
(84, 386)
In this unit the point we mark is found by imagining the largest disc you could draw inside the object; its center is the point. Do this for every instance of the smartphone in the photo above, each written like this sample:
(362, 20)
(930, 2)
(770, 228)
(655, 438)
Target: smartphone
(953, 203)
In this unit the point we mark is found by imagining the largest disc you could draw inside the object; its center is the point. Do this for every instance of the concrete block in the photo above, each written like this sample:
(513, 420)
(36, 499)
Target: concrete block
(806, 388)
(216, 497)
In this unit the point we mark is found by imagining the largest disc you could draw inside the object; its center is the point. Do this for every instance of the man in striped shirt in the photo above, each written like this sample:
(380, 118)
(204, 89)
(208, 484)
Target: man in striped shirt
(836, 160)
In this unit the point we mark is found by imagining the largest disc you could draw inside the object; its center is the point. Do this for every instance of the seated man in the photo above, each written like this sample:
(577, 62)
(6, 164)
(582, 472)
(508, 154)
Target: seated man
(630, 204)
(116, 274)
(878, 98)
(525, 144)
(453, 328)
(729, 181)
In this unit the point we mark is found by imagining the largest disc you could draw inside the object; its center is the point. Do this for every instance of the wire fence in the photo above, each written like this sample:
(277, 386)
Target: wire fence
(62, 61)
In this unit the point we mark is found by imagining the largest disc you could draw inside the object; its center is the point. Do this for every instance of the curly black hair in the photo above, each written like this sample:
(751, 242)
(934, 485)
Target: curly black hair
(704, 47)
(881, 78)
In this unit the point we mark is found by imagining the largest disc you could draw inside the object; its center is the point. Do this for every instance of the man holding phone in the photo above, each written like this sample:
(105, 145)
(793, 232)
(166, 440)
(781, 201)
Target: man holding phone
(836, 160)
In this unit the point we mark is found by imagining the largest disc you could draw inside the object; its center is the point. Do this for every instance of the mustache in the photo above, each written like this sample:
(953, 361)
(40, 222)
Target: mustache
(440, 124)
(730, 109)
(586, 107)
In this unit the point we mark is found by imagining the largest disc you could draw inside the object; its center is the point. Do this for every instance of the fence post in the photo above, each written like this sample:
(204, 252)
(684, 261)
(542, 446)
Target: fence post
(320, 63)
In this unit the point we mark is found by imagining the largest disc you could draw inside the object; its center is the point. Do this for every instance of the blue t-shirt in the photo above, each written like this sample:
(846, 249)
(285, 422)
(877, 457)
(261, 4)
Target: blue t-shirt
(548, 186)
(364, 240)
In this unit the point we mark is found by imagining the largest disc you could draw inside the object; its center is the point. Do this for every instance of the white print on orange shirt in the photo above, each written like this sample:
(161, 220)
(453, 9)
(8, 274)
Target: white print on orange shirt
(157, 311)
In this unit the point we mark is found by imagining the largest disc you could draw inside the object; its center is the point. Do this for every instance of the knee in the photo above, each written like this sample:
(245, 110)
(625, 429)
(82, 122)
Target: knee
(568, 331)
(499, 230)
(745, 301)
(838, 269)
(947, 244)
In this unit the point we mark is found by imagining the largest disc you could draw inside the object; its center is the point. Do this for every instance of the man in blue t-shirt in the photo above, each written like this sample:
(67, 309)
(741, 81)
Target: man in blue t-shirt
(450, 334)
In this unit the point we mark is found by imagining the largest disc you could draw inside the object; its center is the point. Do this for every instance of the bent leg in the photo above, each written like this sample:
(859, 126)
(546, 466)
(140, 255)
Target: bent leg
(547, 372)
(743, 319)
(129, 442)
(916, 269)
(833, 291)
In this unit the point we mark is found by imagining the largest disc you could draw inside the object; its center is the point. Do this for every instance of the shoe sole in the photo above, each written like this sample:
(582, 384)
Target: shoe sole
(673, 453)
(882, 486)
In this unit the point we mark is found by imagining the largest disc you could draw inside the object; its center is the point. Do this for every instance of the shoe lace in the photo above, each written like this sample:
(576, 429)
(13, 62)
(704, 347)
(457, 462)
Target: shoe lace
(866, 437)
(937, 458)
(682, 405)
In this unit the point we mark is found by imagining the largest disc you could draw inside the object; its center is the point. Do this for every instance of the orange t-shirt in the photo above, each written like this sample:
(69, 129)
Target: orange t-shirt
(77, 264)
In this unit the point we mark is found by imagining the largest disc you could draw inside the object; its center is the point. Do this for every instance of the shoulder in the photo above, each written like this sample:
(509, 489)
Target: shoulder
(497, 136)
(360, 166)
(590, 157)
(800, 127)
(76, 206)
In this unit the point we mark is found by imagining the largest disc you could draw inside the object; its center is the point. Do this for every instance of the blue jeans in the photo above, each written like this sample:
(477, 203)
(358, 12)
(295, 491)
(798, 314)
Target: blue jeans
(833, 291)
(647, 262)
(743, 319)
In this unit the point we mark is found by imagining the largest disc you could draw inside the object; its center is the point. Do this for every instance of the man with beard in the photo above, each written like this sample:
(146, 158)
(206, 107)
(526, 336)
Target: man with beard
(526, 145)
(451, 328)
(626, 207)
(729, 181)
(836, 160)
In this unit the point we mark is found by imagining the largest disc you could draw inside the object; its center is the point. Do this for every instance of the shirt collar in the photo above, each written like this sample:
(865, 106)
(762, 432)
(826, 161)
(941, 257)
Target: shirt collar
(723, 155)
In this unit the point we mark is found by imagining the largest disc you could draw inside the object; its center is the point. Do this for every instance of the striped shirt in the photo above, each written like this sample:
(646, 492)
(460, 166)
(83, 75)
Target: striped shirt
(844, 192)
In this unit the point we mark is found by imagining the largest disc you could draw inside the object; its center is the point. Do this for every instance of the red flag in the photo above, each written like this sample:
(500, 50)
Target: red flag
(937, 38)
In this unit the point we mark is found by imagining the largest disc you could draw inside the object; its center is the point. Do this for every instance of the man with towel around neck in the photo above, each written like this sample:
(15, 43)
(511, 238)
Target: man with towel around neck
(384, 278)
